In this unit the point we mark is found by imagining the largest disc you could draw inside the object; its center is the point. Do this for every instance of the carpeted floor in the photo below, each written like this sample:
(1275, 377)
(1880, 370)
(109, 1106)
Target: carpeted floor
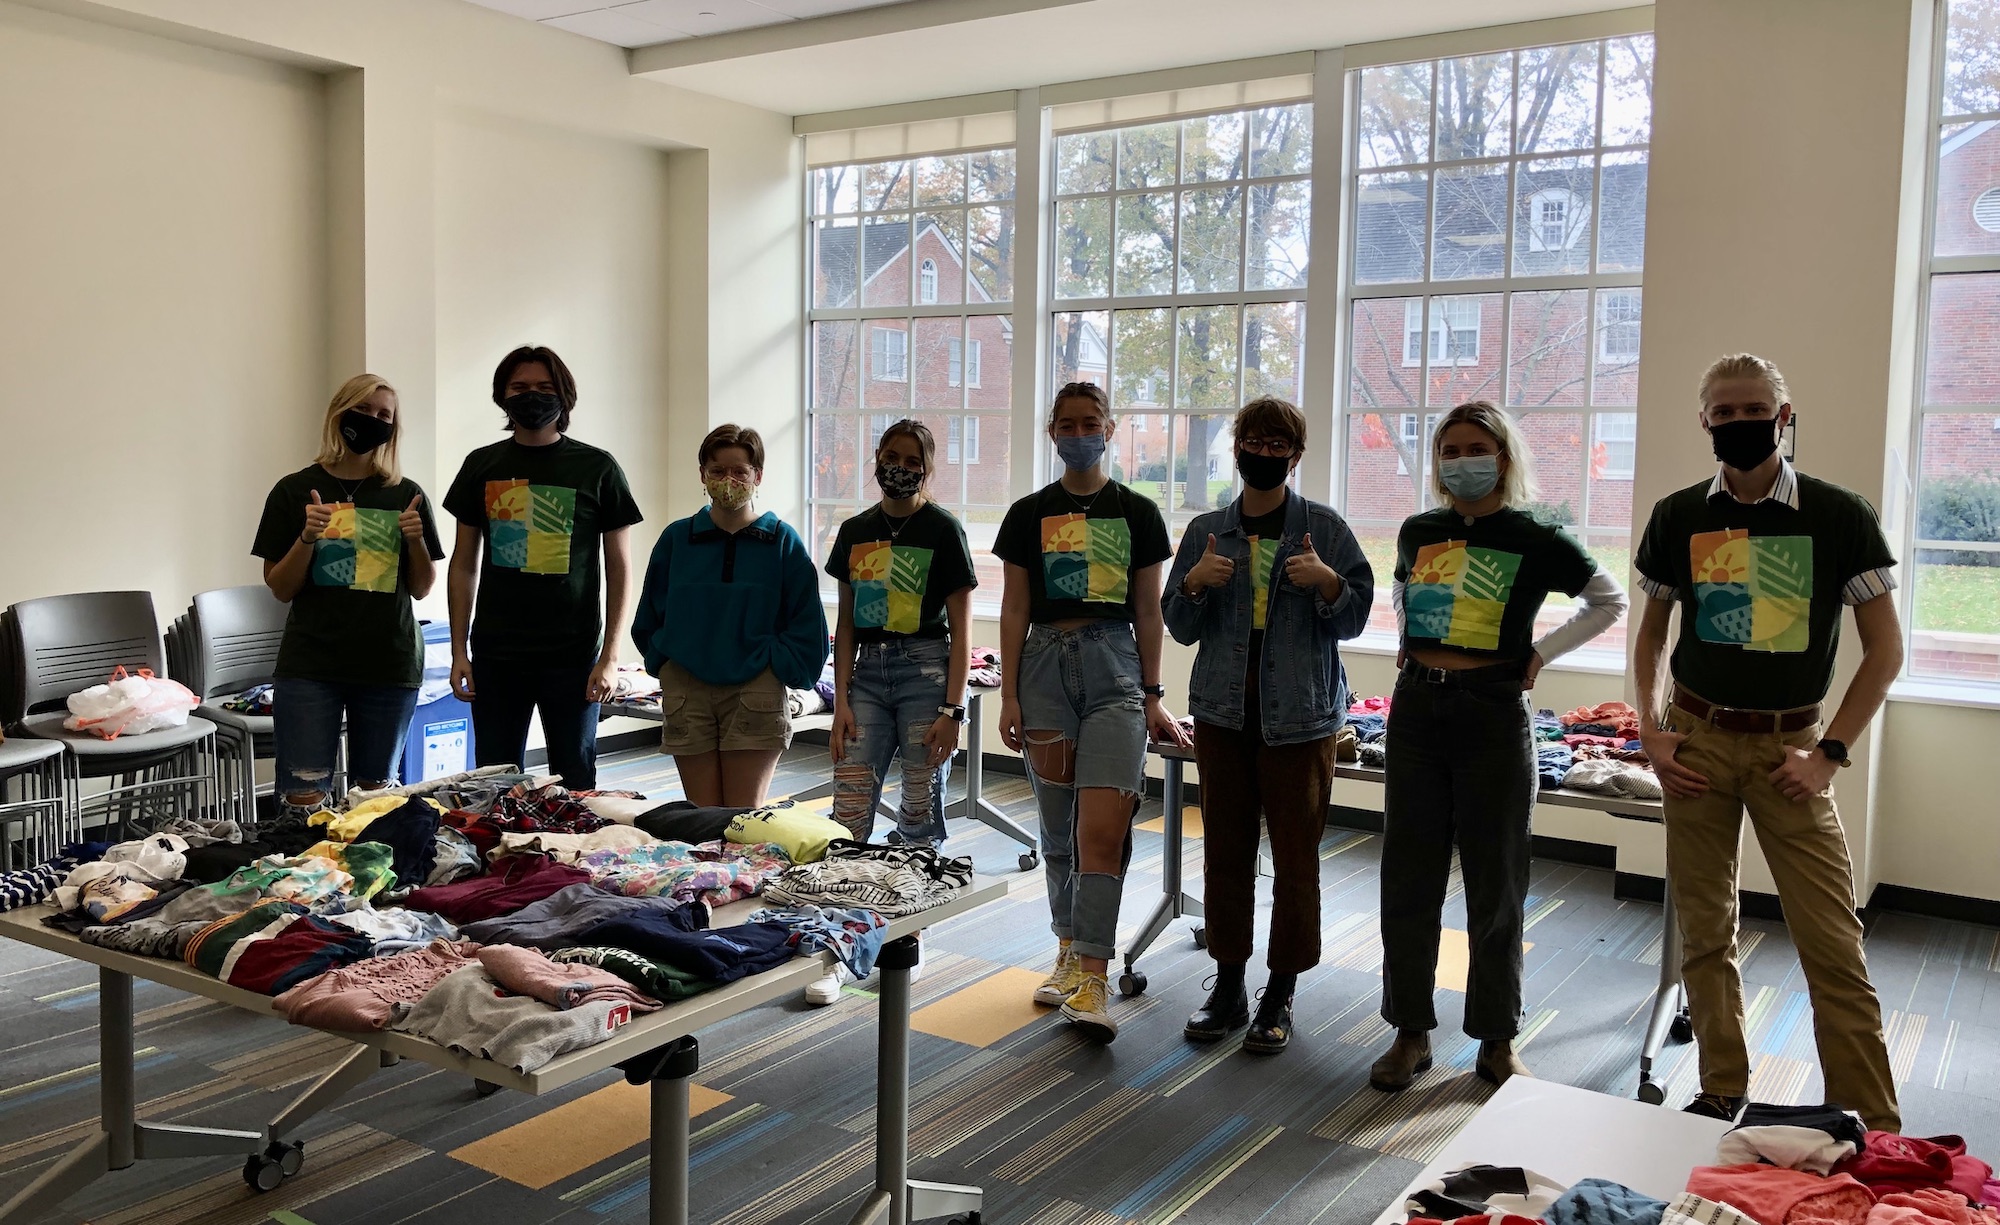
(1057, 1131)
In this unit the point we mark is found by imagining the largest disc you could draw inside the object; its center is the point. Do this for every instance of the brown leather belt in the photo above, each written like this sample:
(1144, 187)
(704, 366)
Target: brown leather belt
(1751, 722)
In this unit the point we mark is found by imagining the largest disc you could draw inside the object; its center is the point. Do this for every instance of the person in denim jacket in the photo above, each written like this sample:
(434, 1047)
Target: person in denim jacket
(1266, 589)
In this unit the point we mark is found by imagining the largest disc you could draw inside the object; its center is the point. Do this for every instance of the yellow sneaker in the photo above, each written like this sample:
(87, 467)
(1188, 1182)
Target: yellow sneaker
(1089, 1007)
(1056, 988)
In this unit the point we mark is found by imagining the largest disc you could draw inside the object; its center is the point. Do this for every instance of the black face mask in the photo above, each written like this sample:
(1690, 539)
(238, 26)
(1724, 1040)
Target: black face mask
(363, 432)
(1743, 445)
(532, 410)
(1263, 472)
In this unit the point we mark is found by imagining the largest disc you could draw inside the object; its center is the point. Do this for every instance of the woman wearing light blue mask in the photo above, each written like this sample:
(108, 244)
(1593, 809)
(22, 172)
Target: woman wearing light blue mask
(1471, 577)
(1080, 635)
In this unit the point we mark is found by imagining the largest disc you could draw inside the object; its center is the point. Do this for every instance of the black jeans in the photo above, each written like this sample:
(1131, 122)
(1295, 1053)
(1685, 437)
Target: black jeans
(1461, 768)
(506, 694)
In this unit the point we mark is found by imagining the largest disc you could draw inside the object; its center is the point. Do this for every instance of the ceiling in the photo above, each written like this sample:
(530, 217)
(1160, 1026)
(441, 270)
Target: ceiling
(963, 51)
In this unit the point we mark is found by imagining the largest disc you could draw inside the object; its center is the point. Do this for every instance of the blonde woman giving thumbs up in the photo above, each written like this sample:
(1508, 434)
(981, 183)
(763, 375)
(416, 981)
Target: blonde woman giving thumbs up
(350, 545)
(1266, 589)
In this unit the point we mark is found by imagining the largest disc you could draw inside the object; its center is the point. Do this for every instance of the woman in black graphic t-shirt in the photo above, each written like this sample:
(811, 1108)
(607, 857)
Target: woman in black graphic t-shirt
(348, 542)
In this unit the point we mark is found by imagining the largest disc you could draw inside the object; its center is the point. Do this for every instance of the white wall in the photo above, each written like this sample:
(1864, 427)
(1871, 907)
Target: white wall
(164, 304)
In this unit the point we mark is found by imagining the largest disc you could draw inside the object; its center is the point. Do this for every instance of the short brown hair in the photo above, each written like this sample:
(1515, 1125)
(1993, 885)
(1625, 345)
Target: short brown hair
(1270, 417)
(564, 380)
(1080, 391)
(733, 436)
(917, 432)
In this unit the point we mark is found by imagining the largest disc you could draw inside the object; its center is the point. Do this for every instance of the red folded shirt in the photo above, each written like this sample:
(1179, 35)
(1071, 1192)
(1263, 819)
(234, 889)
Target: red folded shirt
(1889, 1162)
(512, 882)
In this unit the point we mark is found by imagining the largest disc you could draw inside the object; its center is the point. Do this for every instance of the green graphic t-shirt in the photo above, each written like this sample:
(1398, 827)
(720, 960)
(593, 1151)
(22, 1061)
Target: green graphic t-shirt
(353, 620)
(1760, 588)
(1081, 553)
(1476, 587)
(544, 511)
(901, 573)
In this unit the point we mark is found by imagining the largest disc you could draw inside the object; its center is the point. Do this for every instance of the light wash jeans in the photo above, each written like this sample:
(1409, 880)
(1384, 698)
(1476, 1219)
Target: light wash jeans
(895, 693)
(1084, 685)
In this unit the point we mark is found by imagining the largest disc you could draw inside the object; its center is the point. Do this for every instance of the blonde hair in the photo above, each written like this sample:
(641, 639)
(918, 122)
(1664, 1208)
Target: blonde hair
(1517, 483)
(1081, 391)
(352, 394)
(1745, 366)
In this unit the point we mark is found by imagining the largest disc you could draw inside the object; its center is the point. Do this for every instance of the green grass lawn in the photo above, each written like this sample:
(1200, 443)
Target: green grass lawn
(1959, 599)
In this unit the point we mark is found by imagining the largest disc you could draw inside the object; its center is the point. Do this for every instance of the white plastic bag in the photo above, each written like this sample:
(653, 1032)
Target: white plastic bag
(130, 705)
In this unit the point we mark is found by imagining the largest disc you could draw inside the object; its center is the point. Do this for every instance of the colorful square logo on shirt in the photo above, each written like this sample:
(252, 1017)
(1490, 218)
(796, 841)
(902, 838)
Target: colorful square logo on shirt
(1458, 594)
(1752, 591)
(528, 526)
(889, 581)
(360, 549)
(1085, 558)
(1263, 556)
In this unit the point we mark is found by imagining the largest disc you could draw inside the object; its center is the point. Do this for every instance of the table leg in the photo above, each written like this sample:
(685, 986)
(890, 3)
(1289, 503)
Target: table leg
(895, 1199)
(666, 1072)
(1670, 1015)
(975, 805)
(1175, 901)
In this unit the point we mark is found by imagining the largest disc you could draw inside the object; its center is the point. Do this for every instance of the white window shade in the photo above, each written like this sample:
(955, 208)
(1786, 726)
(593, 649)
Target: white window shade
(909, 139)
(1195, 100)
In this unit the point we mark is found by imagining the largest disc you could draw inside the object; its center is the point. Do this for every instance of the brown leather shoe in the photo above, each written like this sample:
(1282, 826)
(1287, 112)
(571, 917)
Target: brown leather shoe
(1410, 1055)
(1498, 1062)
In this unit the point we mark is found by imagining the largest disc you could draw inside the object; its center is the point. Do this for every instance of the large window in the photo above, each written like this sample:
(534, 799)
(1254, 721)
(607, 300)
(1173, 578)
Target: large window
(1179, 284)
(1494, 252)
(912, 282)
(1952, 568)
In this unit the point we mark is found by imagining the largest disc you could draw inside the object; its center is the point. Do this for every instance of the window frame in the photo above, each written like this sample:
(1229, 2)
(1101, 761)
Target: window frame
(1932, 267)
(888, 362)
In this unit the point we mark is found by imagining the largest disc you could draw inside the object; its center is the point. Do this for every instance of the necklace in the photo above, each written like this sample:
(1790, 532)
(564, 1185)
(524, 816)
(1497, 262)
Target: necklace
(895, 526)
(347, 491)
(1079, 503)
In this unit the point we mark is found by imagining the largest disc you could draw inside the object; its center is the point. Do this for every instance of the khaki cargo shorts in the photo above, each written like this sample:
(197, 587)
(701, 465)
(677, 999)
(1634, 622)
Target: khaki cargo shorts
(697, 717)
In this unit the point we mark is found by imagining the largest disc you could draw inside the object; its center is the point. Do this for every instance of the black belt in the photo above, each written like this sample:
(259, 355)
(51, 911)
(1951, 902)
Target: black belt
(1489, 674)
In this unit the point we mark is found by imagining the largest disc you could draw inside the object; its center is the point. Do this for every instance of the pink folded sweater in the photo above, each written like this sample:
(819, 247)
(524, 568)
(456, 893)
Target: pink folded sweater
(526, 971)
(358, 997)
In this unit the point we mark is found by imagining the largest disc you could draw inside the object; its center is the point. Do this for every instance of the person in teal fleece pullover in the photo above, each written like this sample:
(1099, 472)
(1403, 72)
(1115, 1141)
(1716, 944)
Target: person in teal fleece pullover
(729, 619)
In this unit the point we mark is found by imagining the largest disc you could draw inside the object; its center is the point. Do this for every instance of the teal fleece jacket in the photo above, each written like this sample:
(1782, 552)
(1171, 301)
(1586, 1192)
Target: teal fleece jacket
(727, 606)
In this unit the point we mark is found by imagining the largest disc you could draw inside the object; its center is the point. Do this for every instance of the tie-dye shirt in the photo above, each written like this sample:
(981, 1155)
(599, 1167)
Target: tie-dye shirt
(714, 872)
(1081, 553)
(1475, 588)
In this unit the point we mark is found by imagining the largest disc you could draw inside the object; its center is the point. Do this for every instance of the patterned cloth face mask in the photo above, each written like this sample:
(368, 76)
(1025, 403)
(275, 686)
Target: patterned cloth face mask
(728, 493)
(898, 482)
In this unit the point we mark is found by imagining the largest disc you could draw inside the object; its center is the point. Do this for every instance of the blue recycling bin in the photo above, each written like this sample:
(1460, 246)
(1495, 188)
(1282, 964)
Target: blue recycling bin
(440, 738)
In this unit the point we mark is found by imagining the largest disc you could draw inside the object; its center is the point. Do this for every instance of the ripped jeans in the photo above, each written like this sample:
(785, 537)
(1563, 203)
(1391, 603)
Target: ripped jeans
(895, 693)
(305, 730)
(1082, 685)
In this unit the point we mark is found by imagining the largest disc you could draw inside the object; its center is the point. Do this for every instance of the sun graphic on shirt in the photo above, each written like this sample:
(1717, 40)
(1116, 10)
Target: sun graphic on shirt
(1439, 563)
(1722, 557)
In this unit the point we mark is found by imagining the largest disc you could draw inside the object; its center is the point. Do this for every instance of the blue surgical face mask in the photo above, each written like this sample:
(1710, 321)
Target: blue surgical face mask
(1080, 451)
(1470, 477)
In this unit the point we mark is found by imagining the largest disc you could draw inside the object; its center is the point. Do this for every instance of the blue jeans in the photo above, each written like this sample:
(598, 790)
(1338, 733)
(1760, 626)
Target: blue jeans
(305, 731)
(506, 695)
(895, 693)
(1083, 684)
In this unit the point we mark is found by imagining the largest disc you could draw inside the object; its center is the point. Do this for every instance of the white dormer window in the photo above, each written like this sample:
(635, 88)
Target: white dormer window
(927, 282)
(1557, 218)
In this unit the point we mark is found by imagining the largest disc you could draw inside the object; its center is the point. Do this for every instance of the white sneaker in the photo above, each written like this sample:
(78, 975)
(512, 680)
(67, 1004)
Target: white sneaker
(826, 990)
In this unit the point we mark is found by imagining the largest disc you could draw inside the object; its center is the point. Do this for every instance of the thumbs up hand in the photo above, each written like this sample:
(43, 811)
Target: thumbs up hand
(1305, 569)
(1213, 570)
(411, 522)
(318, 515)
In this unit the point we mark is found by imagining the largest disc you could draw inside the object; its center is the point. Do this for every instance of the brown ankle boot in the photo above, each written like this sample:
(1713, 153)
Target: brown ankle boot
(1497, 1062)
(1394, 1071)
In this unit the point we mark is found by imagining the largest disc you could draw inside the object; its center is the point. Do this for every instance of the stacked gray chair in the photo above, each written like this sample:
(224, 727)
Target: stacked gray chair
(233, 636)
(61, 645)
(35, 769)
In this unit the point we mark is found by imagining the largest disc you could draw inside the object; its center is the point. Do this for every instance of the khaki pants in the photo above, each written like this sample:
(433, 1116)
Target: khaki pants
(1807, 853)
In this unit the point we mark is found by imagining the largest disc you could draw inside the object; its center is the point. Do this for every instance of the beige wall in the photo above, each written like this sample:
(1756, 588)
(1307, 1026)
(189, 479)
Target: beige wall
(164, 304)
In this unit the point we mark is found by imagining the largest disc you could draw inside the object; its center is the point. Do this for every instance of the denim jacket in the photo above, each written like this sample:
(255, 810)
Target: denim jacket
(1303, 692)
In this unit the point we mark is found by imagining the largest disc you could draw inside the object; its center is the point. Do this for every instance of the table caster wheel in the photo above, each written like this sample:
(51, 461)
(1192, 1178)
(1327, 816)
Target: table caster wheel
(1201, 937)
(1131, 982)
(485, 1088)
(1029, 861)
(964, 1218)
(291, 1157)
(1682, 1029)
(262, 1173)
(1651, 1093)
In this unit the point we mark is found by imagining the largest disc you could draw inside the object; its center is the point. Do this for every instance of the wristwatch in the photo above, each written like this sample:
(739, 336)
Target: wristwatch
(955, 713)
(1835, 751)
(1154, 691)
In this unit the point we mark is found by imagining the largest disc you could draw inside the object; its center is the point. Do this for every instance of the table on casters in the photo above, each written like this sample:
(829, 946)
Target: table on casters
(1669, 1019)
(657, 1049)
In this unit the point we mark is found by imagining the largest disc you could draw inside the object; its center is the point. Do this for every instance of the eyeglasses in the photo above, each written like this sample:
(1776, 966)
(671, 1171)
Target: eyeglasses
(1276, 448)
